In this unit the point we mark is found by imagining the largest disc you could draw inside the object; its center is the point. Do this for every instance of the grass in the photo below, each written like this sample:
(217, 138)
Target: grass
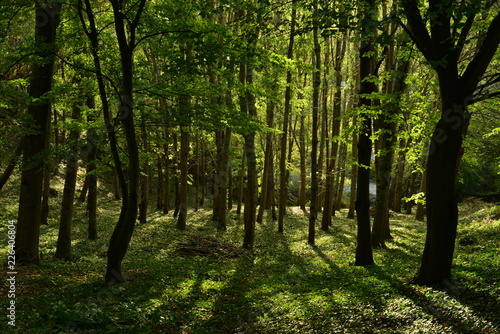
(285, 286)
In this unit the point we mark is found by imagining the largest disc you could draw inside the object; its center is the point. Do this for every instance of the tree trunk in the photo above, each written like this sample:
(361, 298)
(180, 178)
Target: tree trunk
(241, 183)
(354, 178)
(248, 105)
(159, 185)
(332, 164)
(91, 175)
(398, 188)
(387, 127)
(11, 165)
(420, 214)
(124, 229)
(364, 255)
(143, 204)
(442, 49)
(219, 213)
(29, 216)
(264, 202)
(63, 249)
(183, 180)
(313, 210)
(284, 137)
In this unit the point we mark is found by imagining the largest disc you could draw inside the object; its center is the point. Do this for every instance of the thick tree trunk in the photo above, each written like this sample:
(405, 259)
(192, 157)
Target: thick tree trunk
(364, 255)
(28, 222)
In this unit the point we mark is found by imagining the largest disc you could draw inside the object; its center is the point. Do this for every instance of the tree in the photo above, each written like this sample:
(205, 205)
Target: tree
(63, 249)
(313, 210)
(367, 69)
(29, 218)
(284, 137)
(125, 28)
(442, 44)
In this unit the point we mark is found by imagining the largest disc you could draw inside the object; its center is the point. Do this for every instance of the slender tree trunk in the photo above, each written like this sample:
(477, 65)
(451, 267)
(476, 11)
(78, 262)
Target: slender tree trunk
(159, 185)
(420, 214)
(284, 136)
(398, 188)
(166, 196)
(11, 165)
(332, 164)
(197, 171)
(124, 229)
(143, 204)
(248, 105)
(63, 249)
(29, 216)
(387, 126)
(302, 151)
(313, 210)
(91, 175)
(341, 170)
(183, 180)
(241, 183)
(223, 141)
(85, 188)
(354, 178)
(264, 201)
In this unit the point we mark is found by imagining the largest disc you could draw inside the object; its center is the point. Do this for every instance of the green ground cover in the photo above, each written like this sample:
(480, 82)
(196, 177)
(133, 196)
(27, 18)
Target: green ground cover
(285, 286)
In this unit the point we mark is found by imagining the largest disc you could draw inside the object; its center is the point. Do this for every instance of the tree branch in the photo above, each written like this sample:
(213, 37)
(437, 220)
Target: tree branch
(480, 62)
(418, 32)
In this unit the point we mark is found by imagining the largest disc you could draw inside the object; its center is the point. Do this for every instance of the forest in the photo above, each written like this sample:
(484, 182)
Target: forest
(250, 166)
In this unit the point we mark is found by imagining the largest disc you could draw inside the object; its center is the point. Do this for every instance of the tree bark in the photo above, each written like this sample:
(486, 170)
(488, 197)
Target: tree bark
(387, 128)
(284, 136)
(264, 202)
(11, 165)
(442, 50)
(63, 248)
(145, 175)
(364, 255)
(313, 210)
(248, 106)
(332, 164)
(183, 179)
(29, 216)
(223, 141)
(91, 175)
(124, 229)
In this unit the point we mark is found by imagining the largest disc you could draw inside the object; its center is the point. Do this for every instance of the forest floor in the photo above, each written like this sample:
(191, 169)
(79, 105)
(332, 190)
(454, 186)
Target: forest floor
(285, 286)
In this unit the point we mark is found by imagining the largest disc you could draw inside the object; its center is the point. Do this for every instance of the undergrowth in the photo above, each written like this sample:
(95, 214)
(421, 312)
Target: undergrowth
(284, 286)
